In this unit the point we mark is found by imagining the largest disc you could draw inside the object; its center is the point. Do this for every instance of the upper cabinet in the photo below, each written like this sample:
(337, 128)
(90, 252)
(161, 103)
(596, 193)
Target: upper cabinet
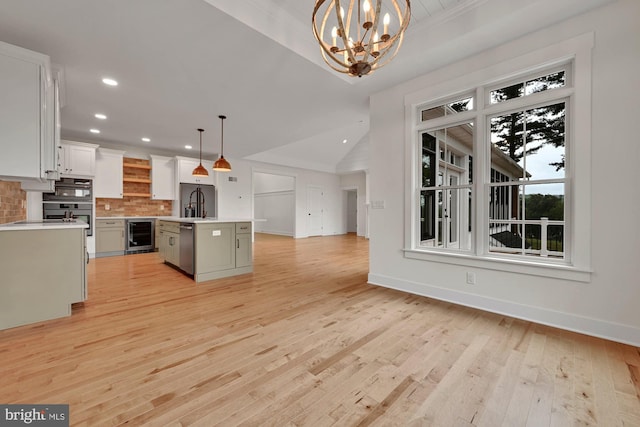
(28, 132)
(108, 178)
(163, 178)
(77, 159)
(186, 167)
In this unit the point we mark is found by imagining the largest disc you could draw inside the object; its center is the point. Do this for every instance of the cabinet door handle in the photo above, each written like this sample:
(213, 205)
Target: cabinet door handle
(237, 243)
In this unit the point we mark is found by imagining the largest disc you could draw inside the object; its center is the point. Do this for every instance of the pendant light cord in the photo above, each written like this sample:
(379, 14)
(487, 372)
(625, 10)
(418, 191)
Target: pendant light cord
(222, 135)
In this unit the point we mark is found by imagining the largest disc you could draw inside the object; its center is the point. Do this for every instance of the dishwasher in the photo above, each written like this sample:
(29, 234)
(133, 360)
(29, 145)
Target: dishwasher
(186, 248)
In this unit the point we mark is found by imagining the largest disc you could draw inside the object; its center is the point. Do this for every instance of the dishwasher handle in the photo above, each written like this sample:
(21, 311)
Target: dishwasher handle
(186, 226)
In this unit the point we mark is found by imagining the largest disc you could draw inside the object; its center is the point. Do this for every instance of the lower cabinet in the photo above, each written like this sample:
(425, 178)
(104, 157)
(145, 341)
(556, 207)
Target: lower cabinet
(109, 237)
(222, 250)
(244, 252)
(169, 242)
(31, 294)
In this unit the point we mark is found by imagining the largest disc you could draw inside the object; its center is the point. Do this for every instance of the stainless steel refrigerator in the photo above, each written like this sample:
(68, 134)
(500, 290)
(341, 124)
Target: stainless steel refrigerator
(197, 200)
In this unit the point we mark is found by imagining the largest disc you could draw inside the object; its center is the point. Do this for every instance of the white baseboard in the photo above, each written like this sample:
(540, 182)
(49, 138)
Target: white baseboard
(571, 322)
(276, 232)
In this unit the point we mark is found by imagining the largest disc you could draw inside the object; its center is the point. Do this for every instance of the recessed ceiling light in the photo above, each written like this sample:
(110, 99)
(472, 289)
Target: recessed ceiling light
(188, 147)
(94, 130)
(146, 139)
(100, 116)
(109, 81)
(344, 141)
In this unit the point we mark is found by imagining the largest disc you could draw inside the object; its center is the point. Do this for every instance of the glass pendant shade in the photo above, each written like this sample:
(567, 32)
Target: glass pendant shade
(222, 165)
(200, 170)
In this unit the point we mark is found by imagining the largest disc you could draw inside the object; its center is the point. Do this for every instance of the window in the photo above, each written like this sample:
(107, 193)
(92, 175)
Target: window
(493, 176)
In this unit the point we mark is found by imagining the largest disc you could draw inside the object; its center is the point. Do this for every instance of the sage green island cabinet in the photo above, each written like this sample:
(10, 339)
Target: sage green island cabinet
(169, 242)
(109, 237)
(43, 272)
(244, 248)
(222, 249)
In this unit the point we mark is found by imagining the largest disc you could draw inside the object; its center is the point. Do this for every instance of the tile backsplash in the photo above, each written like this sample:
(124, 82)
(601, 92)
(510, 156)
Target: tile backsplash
(139, 204)
(13, 202)
(132, 206)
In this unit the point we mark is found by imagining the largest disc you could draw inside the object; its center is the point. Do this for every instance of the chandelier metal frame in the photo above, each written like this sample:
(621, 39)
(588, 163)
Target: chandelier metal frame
(362, 49)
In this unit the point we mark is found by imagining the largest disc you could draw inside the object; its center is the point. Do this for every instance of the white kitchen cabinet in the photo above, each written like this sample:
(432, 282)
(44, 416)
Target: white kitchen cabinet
(108, 179)
(187, 165)
(77, 159)
(27, 119)
(163, 178)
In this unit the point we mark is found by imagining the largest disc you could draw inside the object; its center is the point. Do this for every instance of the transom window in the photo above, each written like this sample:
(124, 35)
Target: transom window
(493, 176)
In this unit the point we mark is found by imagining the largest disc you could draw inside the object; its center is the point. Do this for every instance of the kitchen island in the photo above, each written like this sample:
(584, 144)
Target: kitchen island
(43, 270)
(207, 248)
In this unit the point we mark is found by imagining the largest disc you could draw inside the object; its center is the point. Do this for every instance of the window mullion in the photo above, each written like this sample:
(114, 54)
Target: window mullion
(479, 197)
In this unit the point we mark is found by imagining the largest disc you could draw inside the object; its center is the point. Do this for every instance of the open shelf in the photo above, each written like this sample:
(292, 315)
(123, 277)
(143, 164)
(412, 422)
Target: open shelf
(138, 180)
(136, 194)
(136, 166)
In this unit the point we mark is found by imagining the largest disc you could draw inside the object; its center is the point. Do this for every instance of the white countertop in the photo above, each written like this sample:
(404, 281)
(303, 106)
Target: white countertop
(186, 220)
(208, 220)
(43, 225)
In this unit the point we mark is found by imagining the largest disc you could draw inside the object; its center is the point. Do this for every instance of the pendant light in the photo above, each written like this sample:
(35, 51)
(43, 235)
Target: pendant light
(200, 170)
(221, 165)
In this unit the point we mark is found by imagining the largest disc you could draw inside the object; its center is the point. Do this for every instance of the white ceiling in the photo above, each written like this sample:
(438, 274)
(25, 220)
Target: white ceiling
(181, 63)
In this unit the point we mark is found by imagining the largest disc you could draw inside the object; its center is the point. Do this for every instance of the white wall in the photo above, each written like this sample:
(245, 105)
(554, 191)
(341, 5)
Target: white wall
(357, 159)
(607, 305)
(271, 183)
(235, 198)
(274, 199)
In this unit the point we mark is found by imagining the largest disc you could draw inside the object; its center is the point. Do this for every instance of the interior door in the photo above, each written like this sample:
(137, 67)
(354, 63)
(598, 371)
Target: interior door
(315, 209)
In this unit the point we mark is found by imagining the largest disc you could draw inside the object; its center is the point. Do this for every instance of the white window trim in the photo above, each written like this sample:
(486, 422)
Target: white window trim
(578, 50)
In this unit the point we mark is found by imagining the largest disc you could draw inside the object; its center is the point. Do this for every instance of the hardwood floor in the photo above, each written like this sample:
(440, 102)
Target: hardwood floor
(304, 341)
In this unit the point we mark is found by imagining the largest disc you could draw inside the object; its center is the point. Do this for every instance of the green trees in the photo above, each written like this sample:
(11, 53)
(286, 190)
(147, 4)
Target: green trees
(525, 132)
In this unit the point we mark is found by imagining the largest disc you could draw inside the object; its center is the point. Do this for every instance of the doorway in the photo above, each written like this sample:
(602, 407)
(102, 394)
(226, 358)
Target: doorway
(352, 211)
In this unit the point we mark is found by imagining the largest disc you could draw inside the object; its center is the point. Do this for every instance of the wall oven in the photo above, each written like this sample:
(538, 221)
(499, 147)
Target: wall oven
(140, 235)
(69, 211)
(72, 198)
(70, 190)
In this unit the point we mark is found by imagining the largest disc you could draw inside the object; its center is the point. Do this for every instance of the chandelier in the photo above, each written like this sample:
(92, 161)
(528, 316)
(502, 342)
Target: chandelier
(362, 36)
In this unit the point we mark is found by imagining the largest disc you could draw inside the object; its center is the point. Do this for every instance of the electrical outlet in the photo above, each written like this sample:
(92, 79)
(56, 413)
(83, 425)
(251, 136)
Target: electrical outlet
(107, 207)
(161, 207)
(471, 278)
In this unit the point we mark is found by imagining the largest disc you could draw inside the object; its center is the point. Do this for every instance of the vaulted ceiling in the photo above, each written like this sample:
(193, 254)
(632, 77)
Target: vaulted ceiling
(181, 63)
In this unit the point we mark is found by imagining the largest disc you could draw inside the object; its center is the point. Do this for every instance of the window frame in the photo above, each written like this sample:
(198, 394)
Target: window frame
(574, 55)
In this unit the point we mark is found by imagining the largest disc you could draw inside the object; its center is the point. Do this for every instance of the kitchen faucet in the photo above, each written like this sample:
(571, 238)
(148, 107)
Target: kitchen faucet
(199, 205)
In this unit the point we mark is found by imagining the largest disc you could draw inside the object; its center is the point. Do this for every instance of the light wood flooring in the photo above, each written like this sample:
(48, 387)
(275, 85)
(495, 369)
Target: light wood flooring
(305, 341)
